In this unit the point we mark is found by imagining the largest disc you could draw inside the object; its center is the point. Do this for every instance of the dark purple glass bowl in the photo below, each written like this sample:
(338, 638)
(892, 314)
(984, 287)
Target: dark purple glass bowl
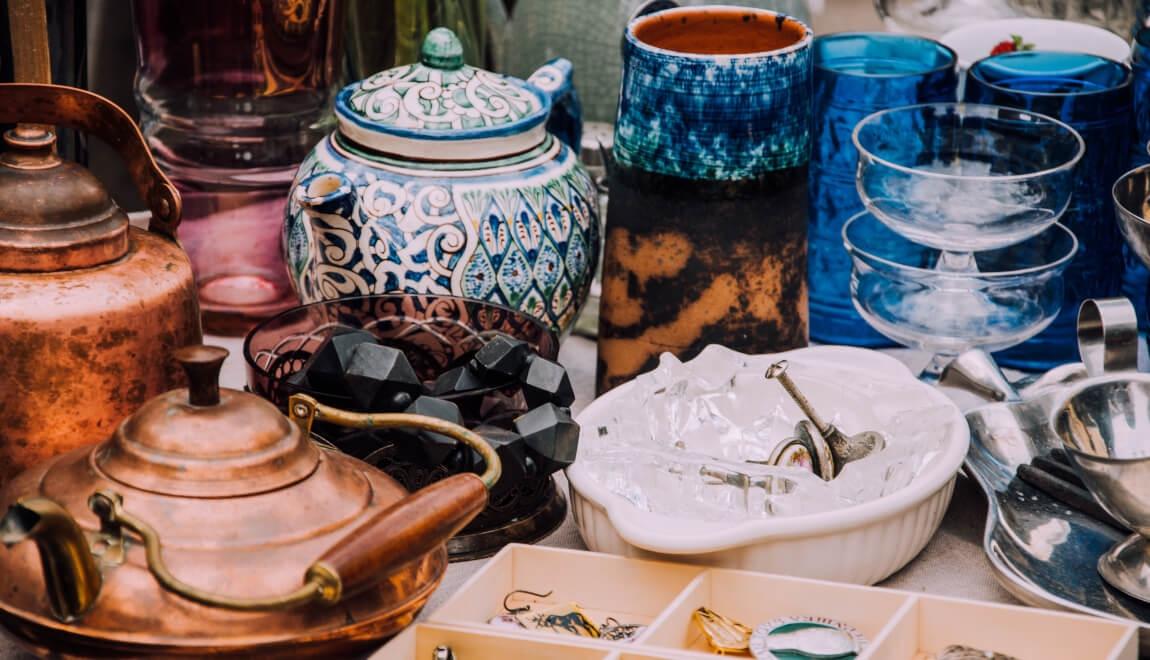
(436, 333)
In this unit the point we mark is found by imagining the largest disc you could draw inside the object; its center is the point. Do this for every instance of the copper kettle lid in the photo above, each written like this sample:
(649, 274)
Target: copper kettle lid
(207, 441)
(56, 215)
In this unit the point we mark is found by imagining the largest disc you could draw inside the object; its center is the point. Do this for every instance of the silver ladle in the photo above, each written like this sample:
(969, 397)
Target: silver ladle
(843, 448)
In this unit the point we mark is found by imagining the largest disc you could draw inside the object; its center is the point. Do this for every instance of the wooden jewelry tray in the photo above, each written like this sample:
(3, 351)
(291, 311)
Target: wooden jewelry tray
(663, 596)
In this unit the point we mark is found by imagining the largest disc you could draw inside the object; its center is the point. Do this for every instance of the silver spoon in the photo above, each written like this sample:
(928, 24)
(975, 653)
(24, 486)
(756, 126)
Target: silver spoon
(843, 448)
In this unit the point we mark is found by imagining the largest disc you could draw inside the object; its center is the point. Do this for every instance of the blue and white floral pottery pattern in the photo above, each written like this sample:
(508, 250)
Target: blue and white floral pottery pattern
(443, 179)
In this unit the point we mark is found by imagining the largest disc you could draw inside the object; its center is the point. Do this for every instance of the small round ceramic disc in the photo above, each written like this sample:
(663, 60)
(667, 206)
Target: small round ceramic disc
(806, 638)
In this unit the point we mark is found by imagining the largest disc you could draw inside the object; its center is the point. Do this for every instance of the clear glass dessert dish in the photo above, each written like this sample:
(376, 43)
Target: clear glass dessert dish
(1009, 295)
(964, 177)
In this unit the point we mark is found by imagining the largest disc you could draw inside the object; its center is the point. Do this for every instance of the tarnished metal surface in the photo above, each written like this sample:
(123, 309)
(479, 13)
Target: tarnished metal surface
(90, 310)
(238, 541)
(97, 116)
(83, 349)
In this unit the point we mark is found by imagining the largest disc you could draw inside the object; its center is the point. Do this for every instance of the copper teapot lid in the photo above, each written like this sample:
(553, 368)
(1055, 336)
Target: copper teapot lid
(56, 215)
(204, 441)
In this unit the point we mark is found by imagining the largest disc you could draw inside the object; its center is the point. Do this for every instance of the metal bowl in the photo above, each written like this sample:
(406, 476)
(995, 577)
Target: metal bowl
(1104, 423)
(1130, 193)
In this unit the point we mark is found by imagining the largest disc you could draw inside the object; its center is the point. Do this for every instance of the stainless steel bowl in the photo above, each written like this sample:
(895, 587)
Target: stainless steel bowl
(1130, 193)
(1104, 424)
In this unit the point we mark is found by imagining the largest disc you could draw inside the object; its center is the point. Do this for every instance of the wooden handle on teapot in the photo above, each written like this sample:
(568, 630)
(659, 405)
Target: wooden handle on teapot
(402, 533)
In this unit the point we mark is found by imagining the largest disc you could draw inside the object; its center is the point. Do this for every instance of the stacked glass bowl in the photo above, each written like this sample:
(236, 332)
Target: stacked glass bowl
(960, 245)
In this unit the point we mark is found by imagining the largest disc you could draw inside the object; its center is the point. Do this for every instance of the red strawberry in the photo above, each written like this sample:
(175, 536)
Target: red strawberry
(1002, 47)
(1014, 43)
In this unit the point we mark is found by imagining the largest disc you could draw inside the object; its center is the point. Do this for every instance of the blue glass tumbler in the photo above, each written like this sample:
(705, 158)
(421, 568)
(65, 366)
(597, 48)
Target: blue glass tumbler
(1094, 96)
(856, 74)
(1136, 279)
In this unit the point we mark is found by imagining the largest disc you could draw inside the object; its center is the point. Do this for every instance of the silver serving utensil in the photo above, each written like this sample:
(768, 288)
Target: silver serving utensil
(1107, 343)
(976, 372)
(1108, 336)
(1104, 424)
(843, 448)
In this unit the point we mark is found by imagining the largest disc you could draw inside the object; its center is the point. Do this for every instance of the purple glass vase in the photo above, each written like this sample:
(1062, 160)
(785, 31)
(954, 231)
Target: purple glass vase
(233, 94)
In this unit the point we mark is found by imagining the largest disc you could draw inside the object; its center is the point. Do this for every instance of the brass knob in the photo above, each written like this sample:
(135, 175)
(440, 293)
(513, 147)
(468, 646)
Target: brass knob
(202, 364)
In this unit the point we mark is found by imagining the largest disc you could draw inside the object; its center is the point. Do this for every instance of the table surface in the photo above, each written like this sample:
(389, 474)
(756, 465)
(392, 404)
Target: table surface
(952, 564)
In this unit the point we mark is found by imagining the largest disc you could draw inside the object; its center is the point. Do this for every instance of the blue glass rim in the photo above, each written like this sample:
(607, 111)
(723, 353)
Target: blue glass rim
(970, 109)
(976, 72)
(871, 257)
(1142, 37)
(950, 63)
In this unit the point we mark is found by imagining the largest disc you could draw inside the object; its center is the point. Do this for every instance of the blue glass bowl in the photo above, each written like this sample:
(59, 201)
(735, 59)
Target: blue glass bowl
(856, 74)
(1093, 95)
(964, 177)
(1014, 294)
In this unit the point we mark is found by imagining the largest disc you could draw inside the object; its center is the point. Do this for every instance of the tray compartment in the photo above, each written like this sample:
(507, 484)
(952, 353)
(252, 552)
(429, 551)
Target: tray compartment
(933, 623)
(754, 598)
(419, 642)
(629, 590)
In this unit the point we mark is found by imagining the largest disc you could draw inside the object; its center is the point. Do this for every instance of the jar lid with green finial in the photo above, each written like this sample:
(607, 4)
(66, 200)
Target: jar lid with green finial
(443, 108)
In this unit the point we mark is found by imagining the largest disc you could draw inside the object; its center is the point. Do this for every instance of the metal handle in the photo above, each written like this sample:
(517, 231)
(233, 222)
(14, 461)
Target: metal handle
(94, 114)
(109, 508)
(303, 410)
(1108, 336)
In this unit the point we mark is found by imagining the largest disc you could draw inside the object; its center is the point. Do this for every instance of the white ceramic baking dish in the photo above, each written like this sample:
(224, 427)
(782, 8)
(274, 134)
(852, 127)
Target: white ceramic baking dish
(861, 544)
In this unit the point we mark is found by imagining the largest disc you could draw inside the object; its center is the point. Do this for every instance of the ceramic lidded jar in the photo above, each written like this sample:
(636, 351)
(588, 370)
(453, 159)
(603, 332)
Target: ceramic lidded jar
(443, 179)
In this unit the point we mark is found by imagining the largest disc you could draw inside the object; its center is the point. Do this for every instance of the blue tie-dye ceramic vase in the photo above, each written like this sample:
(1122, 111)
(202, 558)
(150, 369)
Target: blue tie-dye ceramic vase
(707, 219)
(446, 179)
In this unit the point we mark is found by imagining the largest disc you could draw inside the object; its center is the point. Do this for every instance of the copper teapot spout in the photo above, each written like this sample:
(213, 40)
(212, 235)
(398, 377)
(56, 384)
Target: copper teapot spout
(70, 572)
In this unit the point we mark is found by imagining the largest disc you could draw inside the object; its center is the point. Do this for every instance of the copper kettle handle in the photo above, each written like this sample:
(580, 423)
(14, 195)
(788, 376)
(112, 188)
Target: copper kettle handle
(96, 115)
(392, 538)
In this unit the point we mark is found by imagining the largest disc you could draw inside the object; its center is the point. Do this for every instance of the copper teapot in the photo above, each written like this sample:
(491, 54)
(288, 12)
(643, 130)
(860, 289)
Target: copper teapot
(90, 308)
(210, 524)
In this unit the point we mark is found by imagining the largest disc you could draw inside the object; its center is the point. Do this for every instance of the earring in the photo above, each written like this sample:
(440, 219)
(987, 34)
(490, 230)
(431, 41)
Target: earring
(614, 631)
(573, 621)
(723, 634)
(524, 608)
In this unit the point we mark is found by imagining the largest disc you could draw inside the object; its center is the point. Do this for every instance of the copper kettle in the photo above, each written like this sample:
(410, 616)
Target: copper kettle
(90, 308)
(210, 524)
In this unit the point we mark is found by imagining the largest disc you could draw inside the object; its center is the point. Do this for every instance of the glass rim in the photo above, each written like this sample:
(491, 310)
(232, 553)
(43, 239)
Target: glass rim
(1142, 37)
(270, 322)
(976, 109)
(1127, 80)
(894, 36)
(1140, 171)
(854, 249)
(637, 22)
